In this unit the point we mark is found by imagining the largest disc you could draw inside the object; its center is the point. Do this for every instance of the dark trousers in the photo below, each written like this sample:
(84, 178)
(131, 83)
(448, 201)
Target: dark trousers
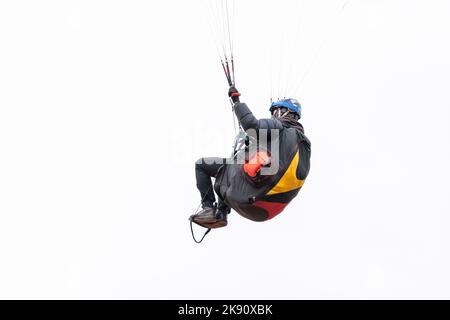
(205, 169)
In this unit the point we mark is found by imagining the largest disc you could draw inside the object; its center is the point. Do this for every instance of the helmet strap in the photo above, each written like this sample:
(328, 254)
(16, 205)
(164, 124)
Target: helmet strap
(284, 114)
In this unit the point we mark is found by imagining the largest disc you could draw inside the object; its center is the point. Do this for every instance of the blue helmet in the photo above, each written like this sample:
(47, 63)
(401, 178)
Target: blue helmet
(289, 103)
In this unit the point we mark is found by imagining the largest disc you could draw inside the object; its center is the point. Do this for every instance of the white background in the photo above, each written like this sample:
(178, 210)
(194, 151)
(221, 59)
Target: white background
(106, 105)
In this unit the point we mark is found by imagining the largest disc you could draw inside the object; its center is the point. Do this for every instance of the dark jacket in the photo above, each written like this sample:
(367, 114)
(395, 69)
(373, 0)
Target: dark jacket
(263, 201)
(248, 120)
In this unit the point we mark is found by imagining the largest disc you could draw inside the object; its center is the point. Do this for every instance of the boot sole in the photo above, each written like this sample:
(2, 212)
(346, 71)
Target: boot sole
(213, 225)
(218, 224)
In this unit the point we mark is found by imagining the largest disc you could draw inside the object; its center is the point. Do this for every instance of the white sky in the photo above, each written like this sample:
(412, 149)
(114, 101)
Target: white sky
(106, 105)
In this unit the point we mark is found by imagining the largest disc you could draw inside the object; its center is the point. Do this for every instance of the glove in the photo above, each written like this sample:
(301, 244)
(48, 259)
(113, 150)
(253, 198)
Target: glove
(234, 94)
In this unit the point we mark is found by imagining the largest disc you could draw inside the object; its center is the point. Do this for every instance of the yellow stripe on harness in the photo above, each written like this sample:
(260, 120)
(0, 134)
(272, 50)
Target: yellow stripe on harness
(289, 180)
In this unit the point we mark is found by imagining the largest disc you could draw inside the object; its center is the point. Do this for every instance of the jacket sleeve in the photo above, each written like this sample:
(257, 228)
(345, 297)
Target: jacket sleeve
(248, 120)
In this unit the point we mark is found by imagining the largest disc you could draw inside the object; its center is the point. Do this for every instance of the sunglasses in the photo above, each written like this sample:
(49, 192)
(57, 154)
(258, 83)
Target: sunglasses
(283, 109)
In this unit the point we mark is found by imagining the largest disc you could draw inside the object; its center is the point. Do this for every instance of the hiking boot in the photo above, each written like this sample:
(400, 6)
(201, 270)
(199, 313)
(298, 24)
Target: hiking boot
(207, 215)
(210, 218)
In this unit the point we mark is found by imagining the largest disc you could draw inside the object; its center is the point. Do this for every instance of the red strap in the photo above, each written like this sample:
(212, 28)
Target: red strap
(254, 165)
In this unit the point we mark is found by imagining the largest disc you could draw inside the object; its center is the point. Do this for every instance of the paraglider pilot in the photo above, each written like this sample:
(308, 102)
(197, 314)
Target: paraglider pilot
(285, 116)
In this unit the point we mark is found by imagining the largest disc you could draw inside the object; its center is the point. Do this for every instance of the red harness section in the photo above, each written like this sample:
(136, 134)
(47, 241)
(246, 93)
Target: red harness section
(273, 208)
